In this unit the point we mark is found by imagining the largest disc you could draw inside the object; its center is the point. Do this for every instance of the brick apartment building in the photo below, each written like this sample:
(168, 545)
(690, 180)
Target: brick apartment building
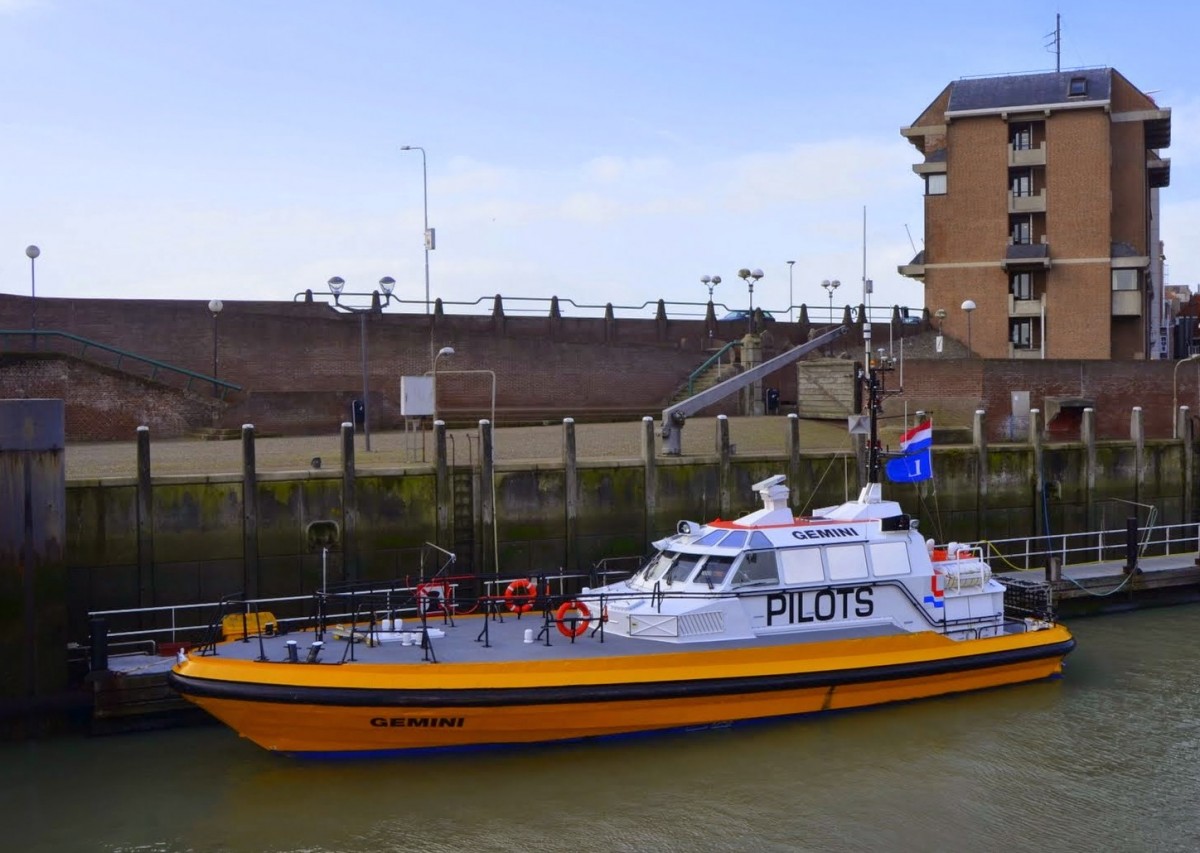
(1041, 208)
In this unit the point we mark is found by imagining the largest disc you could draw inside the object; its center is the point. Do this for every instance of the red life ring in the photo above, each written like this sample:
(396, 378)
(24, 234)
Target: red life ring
(520, 595)
(581, 622)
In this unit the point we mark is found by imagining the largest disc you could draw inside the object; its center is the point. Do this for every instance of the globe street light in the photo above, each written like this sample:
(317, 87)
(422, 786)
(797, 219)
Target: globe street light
(214, 307)
(791, 299)
(447, 352)
(337, 286)
(969, 306)
(32, 253)
(429, 240)
(830, 286)
(1175, 395)
(710, 281)
(751, 277)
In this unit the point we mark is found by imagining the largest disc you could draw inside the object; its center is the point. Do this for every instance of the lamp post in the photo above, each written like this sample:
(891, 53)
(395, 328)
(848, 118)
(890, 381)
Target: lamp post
(710, 281)
(429, 244)
(32, 253)
(214, 307)
(1175, 395)
(447, 352)
(791, 299)
(337, 287)
(830, 286)
(751, 277)
(969, 306)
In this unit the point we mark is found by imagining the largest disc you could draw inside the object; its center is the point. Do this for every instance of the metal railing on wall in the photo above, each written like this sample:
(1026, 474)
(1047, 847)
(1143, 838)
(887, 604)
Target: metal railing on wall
(11, 338)
(549, 306)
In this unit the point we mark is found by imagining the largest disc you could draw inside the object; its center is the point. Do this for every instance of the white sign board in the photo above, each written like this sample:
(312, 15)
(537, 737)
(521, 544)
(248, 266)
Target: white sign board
(416, 396)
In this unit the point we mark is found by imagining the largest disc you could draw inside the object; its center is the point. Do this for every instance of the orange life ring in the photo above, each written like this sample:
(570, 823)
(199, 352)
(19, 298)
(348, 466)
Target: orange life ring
(581, 622)
(520, 595)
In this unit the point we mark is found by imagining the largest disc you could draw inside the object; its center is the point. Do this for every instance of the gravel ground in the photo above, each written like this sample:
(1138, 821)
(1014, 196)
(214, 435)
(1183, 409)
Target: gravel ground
(89, 461)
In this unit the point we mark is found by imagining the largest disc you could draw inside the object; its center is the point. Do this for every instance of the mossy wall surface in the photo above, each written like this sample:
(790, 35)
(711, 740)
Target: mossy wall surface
(198, 534)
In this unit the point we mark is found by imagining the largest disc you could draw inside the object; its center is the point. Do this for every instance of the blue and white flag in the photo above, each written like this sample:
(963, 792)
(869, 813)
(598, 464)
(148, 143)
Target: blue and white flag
(911, 467)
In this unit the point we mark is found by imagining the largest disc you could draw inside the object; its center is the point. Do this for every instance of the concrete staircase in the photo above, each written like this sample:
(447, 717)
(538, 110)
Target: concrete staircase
(715, 373)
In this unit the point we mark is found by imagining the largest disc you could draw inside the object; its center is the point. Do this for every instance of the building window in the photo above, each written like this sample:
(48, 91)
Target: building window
(1125, 279)
(1021, 334)
(935, 184)
(1021, 285)
(1021, 231)
(1022, 183)
(1077, 88)
(1021, 136)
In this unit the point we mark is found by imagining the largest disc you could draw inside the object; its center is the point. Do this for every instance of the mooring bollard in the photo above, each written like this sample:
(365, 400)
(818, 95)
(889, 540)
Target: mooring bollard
(98, 632)
(1131, 545)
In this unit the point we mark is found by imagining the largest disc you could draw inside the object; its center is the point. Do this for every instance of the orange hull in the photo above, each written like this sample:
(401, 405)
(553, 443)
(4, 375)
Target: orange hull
(694, 689)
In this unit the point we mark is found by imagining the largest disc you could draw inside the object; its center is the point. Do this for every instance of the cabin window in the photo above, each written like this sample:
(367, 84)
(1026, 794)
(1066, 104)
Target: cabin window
(889, 559)
(709, 540)
(801, 565)
(759, 539)
(846, 562)
(714, 570)
(758, 568)
(681, 568)
(736, 539)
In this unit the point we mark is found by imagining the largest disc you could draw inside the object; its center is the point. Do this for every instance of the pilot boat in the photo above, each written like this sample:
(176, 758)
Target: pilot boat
(731, 621)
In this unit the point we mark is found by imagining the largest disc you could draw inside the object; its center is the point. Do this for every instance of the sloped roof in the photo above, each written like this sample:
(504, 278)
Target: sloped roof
(1027, 90)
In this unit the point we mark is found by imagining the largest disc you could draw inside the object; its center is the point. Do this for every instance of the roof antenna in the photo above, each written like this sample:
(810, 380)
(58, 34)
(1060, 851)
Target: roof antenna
(910, 239)
(1055, 42)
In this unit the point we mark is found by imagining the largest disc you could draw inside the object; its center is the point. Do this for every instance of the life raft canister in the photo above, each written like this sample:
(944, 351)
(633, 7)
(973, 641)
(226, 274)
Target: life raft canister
(520, 595)
(581, 622)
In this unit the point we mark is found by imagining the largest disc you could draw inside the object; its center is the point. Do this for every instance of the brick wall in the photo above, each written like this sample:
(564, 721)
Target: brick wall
(301, 368)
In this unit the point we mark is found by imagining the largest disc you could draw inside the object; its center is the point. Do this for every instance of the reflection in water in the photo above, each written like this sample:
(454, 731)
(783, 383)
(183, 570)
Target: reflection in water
(1107, 758)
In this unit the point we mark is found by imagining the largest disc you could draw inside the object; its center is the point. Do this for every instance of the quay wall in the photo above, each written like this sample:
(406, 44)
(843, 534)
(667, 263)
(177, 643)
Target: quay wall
(192, 543)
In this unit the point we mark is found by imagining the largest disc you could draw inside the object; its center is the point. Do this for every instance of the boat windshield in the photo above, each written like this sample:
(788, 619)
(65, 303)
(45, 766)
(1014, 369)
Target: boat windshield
(714, 571)
(670, 567)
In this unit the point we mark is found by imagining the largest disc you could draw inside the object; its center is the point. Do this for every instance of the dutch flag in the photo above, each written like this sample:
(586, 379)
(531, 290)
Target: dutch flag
(918, 438)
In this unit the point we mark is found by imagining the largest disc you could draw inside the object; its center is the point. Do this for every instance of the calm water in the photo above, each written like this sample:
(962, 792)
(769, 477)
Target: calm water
(1106, 759)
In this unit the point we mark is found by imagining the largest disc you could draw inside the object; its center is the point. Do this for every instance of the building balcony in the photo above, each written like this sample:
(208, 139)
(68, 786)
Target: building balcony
(1127, 303)
(914, 268)
(1026, 307)
(1027, 203)
(1158, 171)
(1015, 351)
(1026, 256)
(1027, 156)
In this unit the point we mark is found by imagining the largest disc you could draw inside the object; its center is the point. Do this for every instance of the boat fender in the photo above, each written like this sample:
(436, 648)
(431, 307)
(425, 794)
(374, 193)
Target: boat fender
(581, 622)
(520, 595)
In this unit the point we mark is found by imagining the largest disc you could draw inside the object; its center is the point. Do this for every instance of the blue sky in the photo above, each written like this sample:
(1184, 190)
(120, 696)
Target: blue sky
(598, 151)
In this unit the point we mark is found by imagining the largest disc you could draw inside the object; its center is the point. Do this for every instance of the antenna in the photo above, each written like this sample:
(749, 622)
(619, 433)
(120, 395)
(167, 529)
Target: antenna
(910, 239)
(1055, 42)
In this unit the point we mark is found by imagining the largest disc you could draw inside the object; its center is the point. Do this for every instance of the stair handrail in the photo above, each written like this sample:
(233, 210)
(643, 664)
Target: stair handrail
(695, 374)
(224, 385)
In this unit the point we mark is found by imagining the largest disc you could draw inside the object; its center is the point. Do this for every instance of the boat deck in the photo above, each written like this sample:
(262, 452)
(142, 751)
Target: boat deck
(463, 640)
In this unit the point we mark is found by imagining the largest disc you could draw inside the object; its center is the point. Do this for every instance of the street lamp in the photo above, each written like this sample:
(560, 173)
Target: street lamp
(429, 240)
(214, 307)
(32, 253)
(447, 352)
(830, 286)
(751, 277)
(969, 306)
(791, 299)
(337, 286)
(1175, 395)
(710, 281)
